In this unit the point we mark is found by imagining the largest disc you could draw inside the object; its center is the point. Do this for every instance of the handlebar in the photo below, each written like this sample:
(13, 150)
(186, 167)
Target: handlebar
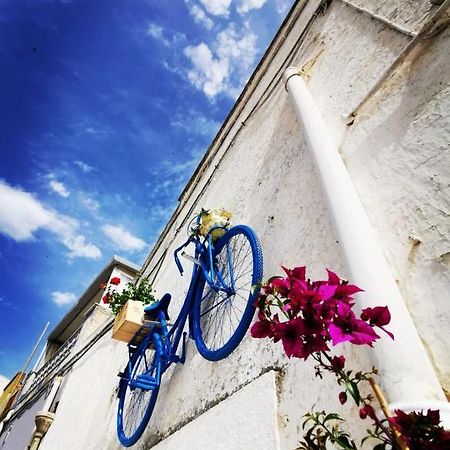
(175, 255)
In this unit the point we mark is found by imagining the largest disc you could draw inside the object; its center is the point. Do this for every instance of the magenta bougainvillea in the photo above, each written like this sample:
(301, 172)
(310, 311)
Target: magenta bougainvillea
(311, 317)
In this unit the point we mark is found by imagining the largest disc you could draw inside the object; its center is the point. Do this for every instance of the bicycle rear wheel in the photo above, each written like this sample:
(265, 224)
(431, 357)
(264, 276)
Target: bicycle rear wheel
(220, 320)
(135, 403)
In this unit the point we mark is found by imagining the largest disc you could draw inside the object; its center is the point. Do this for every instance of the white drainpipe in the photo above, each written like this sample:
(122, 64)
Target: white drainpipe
(406, 374)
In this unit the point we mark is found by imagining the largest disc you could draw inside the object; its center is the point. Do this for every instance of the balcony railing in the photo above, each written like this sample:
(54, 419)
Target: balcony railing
(53, 364)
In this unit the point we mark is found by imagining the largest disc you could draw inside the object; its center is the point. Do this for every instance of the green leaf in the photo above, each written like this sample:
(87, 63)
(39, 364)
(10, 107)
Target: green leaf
(344, 443)
(380, 446)
(332, 416)
(353, 390)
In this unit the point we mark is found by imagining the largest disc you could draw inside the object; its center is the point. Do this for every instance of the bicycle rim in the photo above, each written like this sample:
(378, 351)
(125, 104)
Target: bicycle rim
(136, 405)
(221, 320)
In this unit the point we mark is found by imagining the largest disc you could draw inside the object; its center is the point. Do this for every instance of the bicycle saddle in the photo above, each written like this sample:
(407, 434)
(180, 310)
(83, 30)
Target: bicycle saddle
(161, 305)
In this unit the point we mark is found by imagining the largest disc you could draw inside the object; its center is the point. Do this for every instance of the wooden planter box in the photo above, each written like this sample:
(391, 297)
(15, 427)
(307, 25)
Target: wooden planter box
(128, 321)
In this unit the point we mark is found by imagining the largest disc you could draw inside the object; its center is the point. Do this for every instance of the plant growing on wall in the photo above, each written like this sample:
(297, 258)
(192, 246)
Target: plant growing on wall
(310, 317)
(141, 292)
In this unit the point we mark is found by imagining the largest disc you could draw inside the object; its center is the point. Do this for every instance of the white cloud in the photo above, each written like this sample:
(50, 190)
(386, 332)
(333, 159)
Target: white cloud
(85, 168)
(21, 215)
(167, 37)
(59, 188)
(79, 248)
(225, 66)
(209, 74)
(217, 7)
(157, 32)
(63, 298)
(247, 5)
(239, 49)
(283, 6)
(200, 16)
(3, 382)
(123, 239)
(89, 203)
(194, 122)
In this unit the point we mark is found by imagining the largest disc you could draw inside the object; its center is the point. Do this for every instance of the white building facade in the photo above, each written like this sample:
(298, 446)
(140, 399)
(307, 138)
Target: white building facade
(379, 74)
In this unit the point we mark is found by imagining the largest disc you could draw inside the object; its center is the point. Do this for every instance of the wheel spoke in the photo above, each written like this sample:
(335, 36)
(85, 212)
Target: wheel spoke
(136, 404)
(220, 314)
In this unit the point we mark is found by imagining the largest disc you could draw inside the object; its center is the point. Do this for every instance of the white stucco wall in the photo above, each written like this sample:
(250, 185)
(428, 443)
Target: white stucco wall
(396, 151)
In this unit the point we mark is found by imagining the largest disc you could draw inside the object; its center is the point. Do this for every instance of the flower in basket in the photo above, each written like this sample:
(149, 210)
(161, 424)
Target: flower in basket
(215, 217)
(140, 291)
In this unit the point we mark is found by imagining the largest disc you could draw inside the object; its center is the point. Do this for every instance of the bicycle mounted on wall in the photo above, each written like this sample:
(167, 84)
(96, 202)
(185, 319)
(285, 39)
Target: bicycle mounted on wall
(219, 306)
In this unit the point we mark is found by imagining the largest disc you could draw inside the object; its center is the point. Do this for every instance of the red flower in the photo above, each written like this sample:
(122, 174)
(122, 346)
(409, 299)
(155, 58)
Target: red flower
(421, 431)
(378, 317)
(105, 299)
(367, 410)
(115, 280)
(344, 291)
(337, 363)
(346, 327)
(312, 343)
(263, 328)
(342, 397)
(282, 286)
(297, 273)
(290, 334)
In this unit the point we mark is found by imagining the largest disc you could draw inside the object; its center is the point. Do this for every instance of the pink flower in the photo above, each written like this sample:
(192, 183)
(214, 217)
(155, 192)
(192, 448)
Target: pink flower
(263, 328)
(115, 280)
(312, 343)
(290, 334)
(342, 397)
(367, 410)
(297, 273)
(344, 291)
(378, 317)
(421, 431)
(337, 363)
(346, 327)
(327, 291)
(282, 286)
(333, 278)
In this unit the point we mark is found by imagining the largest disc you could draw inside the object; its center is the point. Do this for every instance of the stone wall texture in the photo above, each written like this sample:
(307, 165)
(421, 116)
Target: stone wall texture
(395, 142)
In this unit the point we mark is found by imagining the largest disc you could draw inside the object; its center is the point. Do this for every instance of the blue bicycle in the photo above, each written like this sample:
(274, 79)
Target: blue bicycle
(219, 305)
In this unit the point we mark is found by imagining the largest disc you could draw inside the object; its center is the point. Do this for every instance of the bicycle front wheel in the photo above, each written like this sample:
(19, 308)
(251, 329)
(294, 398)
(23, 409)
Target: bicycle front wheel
(220, 319)
(136, 404)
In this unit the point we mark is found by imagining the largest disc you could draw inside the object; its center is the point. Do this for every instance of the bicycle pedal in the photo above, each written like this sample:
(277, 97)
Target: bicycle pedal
(145, 382)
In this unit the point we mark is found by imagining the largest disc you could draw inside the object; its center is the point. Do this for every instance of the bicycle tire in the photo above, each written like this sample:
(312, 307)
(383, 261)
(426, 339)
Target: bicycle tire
(220, 321)
(136, 405)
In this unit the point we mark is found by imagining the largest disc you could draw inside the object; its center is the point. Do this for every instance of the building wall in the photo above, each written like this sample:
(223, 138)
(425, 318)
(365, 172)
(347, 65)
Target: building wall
(18, 435)
(395, 145)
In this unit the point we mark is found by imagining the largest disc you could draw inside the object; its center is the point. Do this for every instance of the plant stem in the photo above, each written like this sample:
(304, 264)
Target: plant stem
(387, 413)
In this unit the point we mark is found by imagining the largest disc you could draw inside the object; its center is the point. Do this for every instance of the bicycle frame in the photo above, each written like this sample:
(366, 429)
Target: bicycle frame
(169, 340)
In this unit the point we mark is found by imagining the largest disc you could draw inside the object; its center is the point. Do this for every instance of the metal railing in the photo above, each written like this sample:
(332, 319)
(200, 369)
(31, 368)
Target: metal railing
(53, 364)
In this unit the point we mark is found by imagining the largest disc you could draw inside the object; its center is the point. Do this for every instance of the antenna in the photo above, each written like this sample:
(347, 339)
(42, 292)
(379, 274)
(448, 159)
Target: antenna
(25, 367)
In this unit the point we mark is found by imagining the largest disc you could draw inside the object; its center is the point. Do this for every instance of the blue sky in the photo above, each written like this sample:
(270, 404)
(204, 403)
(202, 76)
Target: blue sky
(106, 109)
